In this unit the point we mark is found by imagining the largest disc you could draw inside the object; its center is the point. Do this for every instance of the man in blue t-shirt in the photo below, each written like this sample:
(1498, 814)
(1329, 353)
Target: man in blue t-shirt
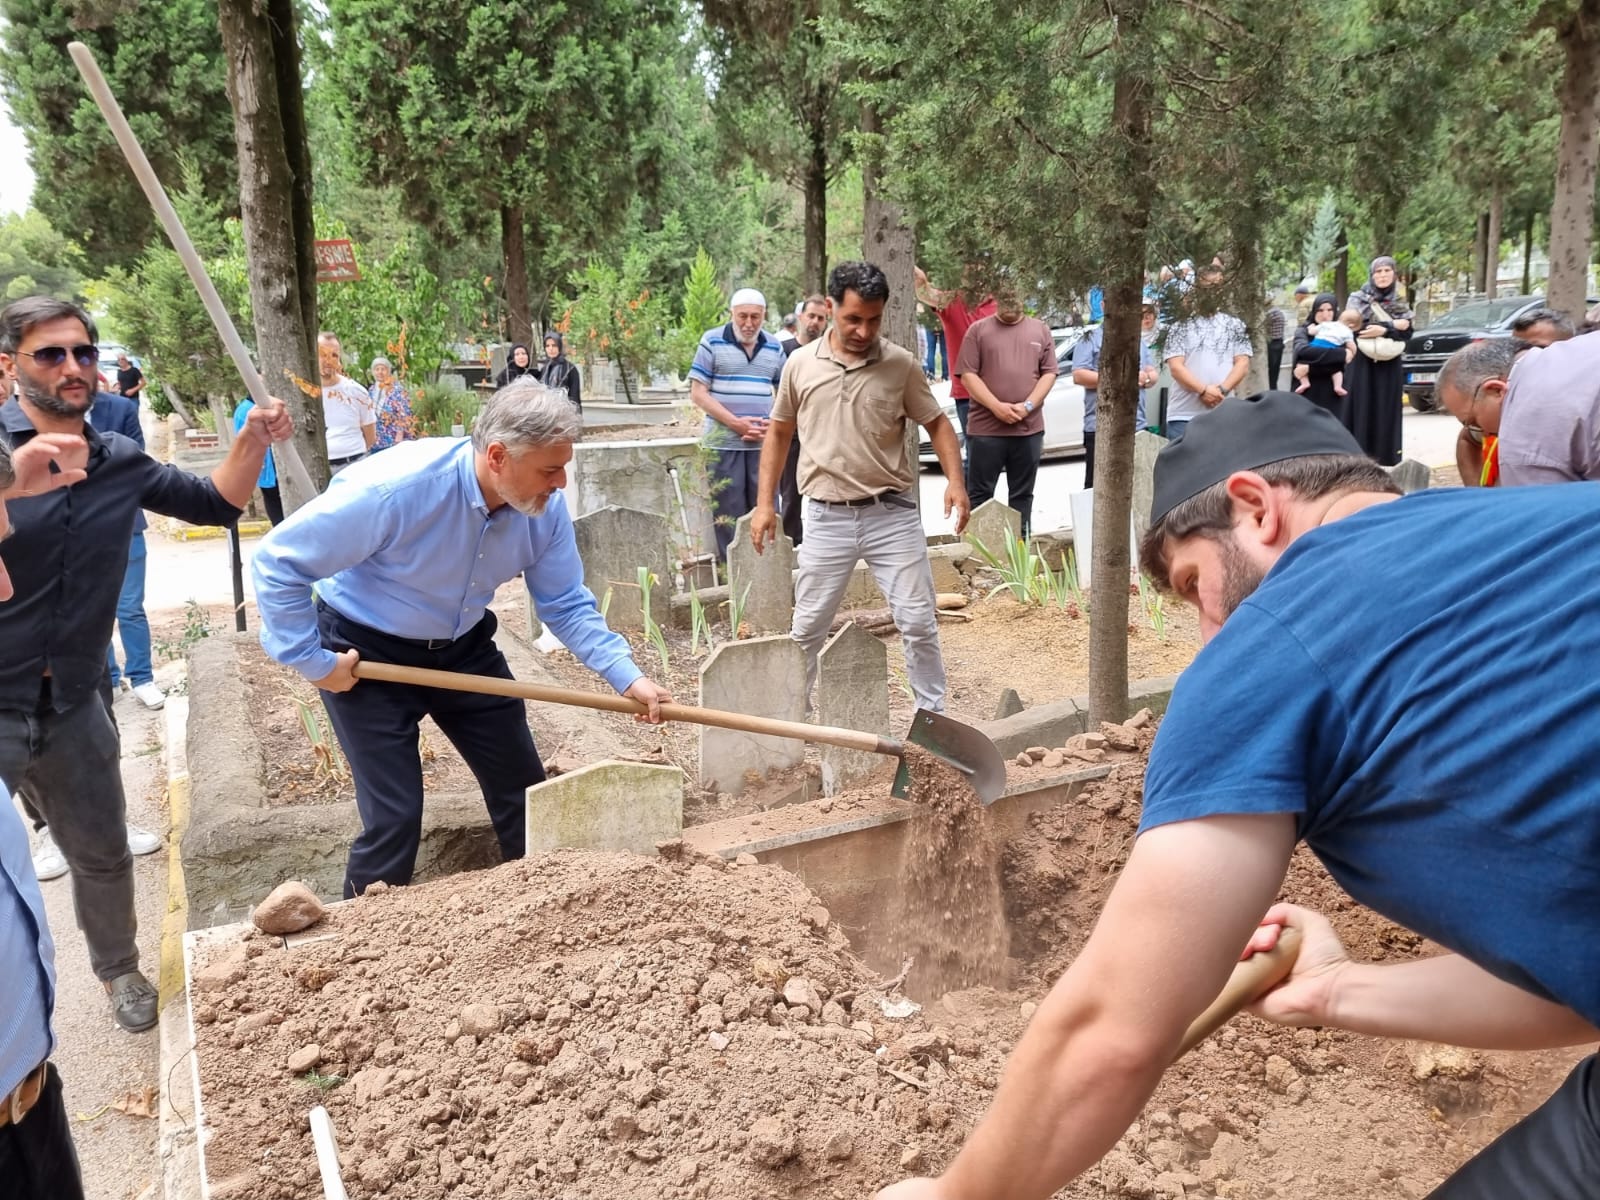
(1451, 793)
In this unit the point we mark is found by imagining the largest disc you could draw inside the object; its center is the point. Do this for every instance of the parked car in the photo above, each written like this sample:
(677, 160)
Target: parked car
(1063, 407)
(1466, 323)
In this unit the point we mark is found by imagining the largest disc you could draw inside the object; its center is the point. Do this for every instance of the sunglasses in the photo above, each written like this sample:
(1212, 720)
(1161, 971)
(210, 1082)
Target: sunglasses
(54, 356)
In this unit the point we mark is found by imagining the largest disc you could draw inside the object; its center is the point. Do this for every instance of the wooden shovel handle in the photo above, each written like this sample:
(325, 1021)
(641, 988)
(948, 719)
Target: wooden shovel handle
(456, 681)
(1251, 979)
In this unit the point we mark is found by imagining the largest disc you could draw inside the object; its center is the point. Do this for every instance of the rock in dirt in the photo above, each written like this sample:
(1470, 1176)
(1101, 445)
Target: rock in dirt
(1022, 759)
(1119, 737)
(1053, 761)
(1036, 752)
(1280, 1074)
(305, 1059)
(223, 971)
(1198, 1130)
(772, 1142)
(747, 859)
(480, 1020)
(839, 1146)
(802, 991)
(718, 1041)
(291, 907)
(1139, 720)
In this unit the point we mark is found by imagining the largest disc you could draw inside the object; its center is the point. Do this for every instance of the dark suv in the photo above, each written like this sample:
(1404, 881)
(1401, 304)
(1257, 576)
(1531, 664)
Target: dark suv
(1469, 322)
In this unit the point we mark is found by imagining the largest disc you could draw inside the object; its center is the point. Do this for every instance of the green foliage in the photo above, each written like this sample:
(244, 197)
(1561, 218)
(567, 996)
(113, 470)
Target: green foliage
(699, 622)
(36, 260)
(737, 602)
(703, 306)
(167, 70)
(1022, 572)
(652, 631)
(1322, 239)
(1155, 606)
(613, 314)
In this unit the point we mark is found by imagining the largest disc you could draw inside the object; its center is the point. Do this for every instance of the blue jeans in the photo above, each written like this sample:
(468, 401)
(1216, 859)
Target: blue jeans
(936, 351)
(1176, 429)
(131, 622)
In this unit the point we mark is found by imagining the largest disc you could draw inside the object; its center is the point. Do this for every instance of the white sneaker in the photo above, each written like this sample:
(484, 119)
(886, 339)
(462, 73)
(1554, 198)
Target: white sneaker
(142, 841)
(149, 695)
(48, 861)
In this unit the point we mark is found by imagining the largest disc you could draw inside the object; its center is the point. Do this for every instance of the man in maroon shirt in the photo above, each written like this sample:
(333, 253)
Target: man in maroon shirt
(957, 317)
(1008, 364)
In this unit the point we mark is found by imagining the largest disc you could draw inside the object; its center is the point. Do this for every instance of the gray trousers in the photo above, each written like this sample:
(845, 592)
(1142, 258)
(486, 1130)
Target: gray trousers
(889, 537)
(70, 764)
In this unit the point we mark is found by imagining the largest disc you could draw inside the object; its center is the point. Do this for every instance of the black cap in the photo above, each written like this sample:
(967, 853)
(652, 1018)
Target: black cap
(1242, 435)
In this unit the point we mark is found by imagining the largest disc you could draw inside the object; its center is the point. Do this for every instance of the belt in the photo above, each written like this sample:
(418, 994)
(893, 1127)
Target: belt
(419, 643)
(23, 1097)
(894, 499)
(345, 462)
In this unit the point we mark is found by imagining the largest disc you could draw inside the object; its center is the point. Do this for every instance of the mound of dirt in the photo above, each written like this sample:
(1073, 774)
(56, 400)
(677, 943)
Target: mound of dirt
(575, 1024)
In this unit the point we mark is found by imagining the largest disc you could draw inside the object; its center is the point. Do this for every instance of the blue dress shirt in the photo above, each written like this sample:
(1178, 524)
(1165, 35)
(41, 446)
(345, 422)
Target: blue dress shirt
(404, 542)
(27, 956)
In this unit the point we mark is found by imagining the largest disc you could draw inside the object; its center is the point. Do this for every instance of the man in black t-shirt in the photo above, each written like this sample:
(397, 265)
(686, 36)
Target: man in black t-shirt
(130, 380)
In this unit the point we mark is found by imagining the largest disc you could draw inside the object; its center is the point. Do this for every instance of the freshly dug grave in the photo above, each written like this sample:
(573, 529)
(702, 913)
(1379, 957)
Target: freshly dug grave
(1258, 1110)
(579, 1024)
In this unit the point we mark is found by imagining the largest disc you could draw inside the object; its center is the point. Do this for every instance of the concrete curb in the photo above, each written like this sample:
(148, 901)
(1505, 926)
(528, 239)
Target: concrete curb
(1053, 723)
(180, 532)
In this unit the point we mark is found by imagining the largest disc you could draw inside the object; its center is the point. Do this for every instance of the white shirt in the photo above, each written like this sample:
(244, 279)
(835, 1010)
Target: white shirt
(346, 407)
(1208, 346)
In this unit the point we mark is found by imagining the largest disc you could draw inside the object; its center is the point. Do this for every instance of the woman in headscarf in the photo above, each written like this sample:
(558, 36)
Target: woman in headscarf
(1374, 378)
(1322, 361)
(518, 364)
(559, 371)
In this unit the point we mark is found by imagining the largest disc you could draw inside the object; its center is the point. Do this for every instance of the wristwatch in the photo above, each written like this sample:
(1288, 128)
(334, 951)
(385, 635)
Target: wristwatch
(1027, 407)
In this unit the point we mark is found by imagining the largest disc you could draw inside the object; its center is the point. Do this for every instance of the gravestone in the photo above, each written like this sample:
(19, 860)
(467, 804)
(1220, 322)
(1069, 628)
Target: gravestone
(759, 677)
(1146, 446)
(768, 576)
(613, 544)
(606, 806)
(1410, 476)
(1081, 505)
(989, 524)
(853, 692)
(1010, 705)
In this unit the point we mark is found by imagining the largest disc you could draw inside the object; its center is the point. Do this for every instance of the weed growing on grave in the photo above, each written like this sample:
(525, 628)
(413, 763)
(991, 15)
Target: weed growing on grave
(1155, 606)
(699, 622)
(605, 602)
(1063, 585)
(1022, 572)
(196, 625)
(652, 631)
(736, 606)
(323, 753)
(323, 1083)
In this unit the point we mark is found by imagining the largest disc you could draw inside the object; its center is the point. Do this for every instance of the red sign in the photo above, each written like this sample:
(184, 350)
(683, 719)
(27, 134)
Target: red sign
(336, 261)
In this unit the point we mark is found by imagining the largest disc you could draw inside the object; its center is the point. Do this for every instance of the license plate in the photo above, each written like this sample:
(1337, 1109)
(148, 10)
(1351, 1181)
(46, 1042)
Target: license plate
(1424, 376)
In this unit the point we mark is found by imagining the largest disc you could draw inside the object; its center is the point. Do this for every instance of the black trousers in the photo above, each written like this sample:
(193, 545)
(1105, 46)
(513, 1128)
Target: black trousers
(37, 1158)
(1018, 457)
(376, 724)
(1274, 362)
(789, 502)
(1088, 458)
(1551, 1154)
(272, 501)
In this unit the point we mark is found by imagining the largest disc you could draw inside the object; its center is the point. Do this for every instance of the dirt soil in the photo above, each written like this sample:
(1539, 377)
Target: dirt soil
(576, 1024)
(642, 433)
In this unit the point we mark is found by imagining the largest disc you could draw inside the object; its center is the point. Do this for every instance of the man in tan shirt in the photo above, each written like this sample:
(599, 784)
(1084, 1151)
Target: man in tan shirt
(851, 396)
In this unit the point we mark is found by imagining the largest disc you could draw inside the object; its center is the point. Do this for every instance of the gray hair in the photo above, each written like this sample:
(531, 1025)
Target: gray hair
(1210, 513)
(1470, 367)
(381, 360)
(527, 413)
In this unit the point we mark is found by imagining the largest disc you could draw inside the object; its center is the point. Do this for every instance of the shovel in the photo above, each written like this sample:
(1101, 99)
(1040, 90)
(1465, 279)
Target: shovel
(961, 746)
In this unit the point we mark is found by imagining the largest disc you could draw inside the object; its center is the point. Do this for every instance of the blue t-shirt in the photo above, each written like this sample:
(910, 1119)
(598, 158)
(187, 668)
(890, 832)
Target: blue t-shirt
(1419, 684)
(742, 381)
(1086, 357)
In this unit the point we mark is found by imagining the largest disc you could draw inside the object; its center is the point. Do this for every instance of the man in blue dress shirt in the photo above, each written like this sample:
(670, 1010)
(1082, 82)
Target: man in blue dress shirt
(405, 551)
(37, 1159)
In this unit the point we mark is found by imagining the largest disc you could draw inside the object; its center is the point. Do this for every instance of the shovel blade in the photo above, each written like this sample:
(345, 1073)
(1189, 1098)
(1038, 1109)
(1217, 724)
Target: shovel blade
(963, 747)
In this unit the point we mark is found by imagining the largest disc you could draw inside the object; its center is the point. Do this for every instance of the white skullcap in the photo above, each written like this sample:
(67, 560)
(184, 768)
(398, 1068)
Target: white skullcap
(747, 296)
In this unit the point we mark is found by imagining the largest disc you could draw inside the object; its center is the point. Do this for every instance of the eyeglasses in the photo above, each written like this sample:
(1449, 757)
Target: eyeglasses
(53, 356)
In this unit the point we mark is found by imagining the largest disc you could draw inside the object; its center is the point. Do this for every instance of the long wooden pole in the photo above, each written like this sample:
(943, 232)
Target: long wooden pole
(289, 462)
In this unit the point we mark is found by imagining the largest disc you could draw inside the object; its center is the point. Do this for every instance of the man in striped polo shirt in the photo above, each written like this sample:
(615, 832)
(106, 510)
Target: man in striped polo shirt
(735, 372)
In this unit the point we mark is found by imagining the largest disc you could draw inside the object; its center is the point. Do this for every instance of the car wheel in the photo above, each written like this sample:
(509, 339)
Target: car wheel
(1423, 402)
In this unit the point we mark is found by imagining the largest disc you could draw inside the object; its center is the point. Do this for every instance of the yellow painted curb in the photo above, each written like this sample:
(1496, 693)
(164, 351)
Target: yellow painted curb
(175, 921)
(203, 533)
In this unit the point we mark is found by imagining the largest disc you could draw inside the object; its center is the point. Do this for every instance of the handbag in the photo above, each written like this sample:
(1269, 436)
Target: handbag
(1381, 349)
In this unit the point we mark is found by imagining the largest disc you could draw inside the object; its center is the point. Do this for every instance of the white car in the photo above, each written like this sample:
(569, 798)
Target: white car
(1063, 409)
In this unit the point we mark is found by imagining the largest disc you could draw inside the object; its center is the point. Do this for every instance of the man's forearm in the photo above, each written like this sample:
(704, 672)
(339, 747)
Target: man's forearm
(235, 477)
(1450, 999)
(1041, 389)
(1086, 378)
(369, 435)
(774, 453)
(979, 391)
(1241, 368)
(702, 398)
(1182, 377)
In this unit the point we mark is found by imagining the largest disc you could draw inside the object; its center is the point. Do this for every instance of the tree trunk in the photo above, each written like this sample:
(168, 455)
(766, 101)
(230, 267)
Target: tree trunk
(1128, 224)
(262, 50)
(1491, 256)
(1480, 255)
(1527, 255)
(814, 276)
(180, 406)
(1341, 271)
(1572, 214)
(514, 255)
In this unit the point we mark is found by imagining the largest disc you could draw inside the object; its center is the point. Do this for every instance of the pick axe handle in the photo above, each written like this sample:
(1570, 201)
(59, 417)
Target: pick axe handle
(289, 461)
(457, 681)
(1251, 979)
